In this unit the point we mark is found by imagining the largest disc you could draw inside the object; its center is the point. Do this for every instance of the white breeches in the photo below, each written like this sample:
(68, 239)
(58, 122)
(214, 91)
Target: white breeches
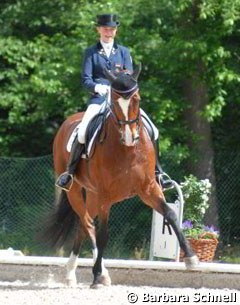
(91, 111)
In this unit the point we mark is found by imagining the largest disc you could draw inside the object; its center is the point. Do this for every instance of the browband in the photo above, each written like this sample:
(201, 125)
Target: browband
(126, 91)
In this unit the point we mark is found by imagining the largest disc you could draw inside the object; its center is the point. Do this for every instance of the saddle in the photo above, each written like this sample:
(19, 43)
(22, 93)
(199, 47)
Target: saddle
(95, 132)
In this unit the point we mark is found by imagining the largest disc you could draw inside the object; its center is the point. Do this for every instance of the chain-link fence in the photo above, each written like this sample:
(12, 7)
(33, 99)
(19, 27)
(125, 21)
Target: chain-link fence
(27, 194)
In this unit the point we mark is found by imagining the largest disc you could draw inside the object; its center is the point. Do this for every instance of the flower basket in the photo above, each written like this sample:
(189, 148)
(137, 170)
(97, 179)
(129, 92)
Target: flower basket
(203, 247)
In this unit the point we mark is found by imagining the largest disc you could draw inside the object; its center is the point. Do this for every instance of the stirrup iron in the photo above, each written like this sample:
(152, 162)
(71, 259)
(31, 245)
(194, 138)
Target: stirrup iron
(166, 184)
(69, 184)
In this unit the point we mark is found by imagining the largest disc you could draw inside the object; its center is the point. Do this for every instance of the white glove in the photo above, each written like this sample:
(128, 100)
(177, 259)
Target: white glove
(101, 89)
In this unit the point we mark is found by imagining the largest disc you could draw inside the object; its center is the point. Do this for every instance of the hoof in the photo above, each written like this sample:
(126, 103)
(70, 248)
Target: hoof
(101, 281)
(191, 262)
(96, 286)
(71, 283)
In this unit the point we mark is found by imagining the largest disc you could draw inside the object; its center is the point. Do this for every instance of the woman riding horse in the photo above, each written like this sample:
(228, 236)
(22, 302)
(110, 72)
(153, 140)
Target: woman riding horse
(106, 54)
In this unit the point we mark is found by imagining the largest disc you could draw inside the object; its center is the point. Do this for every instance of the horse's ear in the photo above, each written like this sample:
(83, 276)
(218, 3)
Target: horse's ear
(137, 71)
(109, 75)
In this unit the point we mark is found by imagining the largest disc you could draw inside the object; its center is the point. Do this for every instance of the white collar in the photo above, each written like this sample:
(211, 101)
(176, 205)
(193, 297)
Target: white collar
(107, 45)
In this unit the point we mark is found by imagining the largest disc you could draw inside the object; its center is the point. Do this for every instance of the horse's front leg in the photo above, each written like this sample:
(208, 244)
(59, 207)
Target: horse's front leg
(154, 197)
(100, 273)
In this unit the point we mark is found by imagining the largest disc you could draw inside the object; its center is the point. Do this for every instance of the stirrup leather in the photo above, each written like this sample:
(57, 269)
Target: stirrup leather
(69, 184)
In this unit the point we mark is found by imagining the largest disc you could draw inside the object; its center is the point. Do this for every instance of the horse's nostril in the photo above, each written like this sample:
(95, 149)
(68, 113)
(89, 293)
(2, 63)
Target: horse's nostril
(136, 138)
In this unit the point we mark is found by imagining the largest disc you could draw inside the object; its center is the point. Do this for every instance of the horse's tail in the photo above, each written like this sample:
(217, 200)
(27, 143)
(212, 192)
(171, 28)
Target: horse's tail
(60, 223)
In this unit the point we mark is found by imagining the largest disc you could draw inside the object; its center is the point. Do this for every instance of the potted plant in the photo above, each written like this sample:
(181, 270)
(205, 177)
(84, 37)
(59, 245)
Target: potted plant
(203, 239)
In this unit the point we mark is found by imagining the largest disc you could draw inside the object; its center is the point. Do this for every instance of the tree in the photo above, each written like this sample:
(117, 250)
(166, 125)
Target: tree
(190, 70)
(187, 41)
(40, 53)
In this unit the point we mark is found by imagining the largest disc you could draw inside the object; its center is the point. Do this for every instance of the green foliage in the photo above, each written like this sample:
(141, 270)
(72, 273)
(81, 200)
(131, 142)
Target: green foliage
(40, 54)
(41, 47)
(184, 39)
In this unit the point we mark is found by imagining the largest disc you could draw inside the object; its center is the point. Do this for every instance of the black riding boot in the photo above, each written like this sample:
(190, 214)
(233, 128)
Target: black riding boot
(159, 173)
(65, 180)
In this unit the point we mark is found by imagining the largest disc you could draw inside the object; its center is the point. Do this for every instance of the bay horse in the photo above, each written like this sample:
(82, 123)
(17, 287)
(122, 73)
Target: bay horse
(122, 166)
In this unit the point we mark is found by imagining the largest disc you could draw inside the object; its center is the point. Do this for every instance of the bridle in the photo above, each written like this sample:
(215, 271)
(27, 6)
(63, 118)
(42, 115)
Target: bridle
(125, 88)
(129, 122)
(130, 93)
(120, 122)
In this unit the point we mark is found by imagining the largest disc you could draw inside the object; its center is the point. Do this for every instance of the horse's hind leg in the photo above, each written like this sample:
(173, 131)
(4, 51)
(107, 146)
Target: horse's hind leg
(86, 229)
(100, 273)
(71, 266)
(72, 261)
(154, 198)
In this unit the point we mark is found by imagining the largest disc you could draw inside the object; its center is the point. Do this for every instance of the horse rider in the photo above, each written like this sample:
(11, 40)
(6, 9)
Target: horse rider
(105, 54)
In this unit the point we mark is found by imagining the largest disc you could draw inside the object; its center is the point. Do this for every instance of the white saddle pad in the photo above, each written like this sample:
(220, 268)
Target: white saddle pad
(74, 135)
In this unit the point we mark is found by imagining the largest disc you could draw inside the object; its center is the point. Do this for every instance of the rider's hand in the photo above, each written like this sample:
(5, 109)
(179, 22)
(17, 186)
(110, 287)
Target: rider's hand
(101, 89)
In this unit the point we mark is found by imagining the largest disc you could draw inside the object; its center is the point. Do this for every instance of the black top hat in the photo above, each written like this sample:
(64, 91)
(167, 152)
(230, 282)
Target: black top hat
(107, 20)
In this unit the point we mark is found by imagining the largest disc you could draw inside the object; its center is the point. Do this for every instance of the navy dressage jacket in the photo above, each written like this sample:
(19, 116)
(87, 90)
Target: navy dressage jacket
(94, 62)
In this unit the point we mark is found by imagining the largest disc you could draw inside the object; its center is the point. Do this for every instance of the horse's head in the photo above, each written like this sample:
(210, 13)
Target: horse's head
(125, 104)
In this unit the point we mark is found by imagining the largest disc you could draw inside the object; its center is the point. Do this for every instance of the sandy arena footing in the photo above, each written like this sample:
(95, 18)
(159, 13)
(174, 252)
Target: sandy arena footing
(123, 272)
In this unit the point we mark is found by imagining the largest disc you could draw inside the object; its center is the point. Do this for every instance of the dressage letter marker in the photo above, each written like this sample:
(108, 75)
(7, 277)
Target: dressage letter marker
(164, 243)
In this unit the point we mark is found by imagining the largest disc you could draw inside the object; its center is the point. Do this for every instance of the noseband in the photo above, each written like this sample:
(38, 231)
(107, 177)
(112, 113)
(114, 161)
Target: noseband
(129, 122)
